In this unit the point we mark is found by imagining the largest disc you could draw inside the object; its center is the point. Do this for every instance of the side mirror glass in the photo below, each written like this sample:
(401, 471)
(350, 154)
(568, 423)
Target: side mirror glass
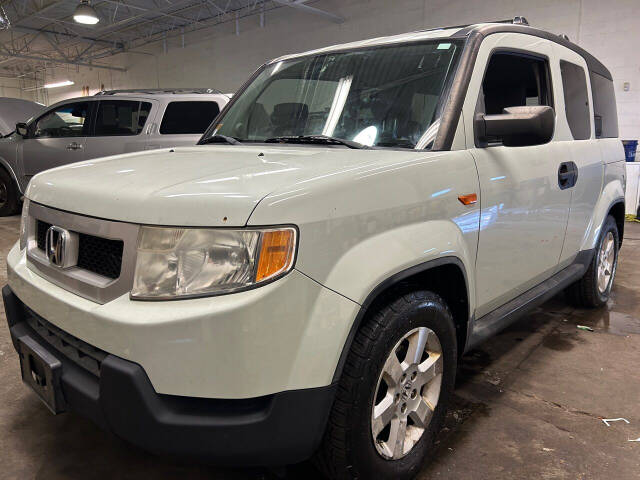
(516, 126)
(21, 129)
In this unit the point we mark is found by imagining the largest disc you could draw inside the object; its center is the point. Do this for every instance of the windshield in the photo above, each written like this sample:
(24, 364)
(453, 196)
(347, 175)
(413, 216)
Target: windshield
(380, 96)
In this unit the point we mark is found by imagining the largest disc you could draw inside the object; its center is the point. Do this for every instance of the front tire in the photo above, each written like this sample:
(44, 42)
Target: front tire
(594, 288)
(8, 195)
(394, 390)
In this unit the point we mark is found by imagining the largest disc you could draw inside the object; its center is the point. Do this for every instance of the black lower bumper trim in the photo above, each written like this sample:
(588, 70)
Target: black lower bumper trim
(277, 429)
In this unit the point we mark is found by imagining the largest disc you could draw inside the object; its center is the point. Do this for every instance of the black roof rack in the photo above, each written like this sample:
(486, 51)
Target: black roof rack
(157, 91)
(519, 20)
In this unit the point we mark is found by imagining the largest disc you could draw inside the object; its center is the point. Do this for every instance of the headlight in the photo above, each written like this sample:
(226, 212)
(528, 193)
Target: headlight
(188, 262)
(23, 224)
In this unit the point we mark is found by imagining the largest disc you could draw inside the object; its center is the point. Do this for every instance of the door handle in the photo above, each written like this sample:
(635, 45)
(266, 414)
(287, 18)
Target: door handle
(567, 175)
(74, 146)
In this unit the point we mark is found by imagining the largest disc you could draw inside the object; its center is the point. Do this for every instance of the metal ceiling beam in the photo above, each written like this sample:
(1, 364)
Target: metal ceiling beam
(70, 35)
(301, 5)
(159, 12)
(155, 12)
(5, 53)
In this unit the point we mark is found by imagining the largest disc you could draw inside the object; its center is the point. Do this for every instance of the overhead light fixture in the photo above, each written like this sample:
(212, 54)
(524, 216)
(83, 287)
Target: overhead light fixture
(64, 83)
(85, 13)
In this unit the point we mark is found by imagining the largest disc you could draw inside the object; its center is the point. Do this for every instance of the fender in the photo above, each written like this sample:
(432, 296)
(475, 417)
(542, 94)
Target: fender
(612, 193)
(384, 285)
(376, 259)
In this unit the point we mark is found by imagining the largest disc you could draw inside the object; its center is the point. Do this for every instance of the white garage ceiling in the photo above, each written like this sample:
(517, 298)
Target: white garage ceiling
(35, 34)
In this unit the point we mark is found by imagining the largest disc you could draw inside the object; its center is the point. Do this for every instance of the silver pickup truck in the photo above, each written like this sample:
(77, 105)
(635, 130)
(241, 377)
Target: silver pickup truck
(305, 279)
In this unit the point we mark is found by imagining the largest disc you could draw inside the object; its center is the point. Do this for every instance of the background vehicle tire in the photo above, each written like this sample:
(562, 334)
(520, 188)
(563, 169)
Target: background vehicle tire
(8, 195)
(594, 288)
(371, 384)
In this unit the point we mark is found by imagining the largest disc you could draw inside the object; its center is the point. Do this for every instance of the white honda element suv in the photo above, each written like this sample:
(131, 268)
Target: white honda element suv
(303, 281)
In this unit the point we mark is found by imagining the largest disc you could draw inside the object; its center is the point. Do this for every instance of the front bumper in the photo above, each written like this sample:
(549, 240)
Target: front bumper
(276, 429)
(287, 335)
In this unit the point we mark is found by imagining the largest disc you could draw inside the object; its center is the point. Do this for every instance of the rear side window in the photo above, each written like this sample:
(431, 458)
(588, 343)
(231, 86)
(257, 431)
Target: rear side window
(576, 99)
(121, 117)
(604, 106)
(188, 117)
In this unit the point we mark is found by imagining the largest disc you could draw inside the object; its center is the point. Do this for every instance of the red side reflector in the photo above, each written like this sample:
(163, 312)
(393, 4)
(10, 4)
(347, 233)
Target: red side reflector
(468, 199)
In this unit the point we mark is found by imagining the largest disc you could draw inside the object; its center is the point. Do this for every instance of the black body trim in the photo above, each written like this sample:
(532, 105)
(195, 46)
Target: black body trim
(278, 429)
(392, 280)
(491, 323)
(503, 316)
(620, 201)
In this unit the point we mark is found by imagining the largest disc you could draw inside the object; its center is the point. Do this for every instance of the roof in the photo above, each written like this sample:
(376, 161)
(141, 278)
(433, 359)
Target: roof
(160, 91)
(378, 41)
(481, 30)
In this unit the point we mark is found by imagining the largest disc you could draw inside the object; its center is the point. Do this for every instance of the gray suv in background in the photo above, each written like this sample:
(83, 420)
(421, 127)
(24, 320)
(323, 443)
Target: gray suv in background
(109, 123)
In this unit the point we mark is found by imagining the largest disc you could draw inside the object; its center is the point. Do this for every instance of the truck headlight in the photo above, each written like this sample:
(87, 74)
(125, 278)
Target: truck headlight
(190, 262)
(24, 218)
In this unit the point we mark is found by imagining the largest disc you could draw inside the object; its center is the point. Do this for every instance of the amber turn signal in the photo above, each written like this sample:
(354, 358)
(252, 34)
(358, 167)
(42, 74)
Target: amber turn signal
(276, 253)
(468, 199)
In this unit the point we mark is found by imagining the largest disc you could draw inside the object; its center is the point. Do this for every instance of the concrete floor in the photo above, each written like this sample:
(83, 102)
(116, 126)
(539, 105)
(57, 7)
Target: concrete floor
(528, 404)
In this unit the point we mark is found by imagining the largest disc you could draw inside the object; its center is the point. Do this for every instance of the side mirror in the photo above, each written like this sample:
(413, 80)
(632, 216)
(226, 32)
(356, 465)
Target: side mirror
(21, 129)
(517, 126)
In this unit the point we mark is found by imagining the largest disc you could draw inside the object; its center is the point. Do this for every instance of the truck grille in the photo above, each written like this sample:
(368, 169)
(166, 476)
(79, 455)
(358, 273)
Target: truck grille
(95, 254)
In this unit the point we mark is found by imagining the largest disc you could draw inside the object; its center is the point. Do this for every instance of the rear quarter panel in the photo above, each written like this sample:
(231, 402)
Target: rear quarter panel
(612, 191)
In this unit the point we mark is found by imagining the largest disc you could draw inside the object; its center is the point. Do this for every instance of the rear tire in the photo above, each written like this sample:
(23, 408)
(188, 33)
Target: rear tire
(9, 202)
(594, 288)
(368, 397)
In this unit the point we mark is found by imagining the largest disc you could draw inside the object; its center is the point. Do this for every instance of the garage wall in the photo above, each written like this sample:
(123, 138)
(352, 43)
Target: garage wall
(15, 88)
(218, 58)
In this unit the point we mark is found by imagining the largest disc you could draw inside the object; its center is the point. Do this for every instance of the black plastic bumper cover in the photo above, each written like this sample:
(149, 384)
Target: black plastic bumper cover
(278, 429)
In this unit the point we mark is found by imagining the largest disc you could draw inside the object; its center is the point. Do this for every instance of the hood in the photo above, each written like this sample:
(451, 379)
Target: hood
(209, 185)
(14, 110)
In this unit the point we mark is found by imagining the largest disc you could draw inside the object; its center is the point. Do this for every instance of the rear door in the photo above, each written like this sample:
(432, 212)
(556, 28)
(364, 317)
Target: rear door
(119, 127)
(575, 128)
(183, 122)
(523, 209)
(57, 138)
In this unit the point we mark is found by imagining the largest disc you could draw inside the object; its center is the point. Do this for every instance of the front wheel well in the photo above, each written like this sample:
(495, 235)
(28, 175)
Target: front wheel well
(9, 173)
(445, 277)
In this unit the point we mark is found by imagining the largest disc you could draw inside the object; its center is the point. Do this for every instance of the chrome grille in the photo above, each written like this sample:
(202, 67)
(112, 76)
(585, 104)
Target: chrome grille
(95, 254)
(106, 253)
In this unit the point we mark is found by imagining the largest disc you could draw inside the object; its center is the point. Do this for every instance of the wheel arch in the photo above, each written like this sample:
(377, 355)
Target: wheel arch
(6, 166)
(617, 212)
(445, 276)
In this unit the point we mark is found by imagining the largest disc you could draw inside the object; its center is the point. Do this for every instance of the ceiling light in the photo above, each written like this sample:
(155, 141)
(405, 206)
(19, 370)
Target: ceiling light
(63, 83)
(85, 13)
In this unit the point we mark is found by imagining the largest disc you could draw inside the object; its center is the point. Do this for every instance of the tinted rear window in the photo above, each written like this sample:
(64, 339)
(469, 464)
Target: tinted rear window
(188, 117)
(604, 106)
(121, 117)
(576, 100)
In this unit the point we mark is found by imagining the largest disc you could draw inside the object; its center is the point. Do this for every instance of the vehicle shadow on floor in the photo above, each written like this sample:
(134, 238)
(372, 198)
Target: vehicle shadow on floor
(70, 447)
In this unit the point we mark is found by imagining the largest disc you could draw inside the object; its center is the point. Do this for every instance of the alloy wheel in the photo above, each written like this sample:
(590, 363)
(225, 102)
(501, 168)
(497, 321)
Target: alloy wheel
(606, 263)
(407, 393)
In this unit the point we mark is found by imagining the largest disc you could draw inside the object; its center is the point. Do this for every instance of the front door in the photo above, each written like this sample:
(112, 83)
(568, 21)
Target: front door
(524, 210)
(56, 138)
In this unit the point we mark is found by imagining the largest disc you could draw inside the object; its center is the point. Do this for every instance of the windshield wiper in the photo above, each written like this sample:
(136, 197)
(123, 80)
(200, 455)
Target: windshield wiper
(319, 139)
(220, 139)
